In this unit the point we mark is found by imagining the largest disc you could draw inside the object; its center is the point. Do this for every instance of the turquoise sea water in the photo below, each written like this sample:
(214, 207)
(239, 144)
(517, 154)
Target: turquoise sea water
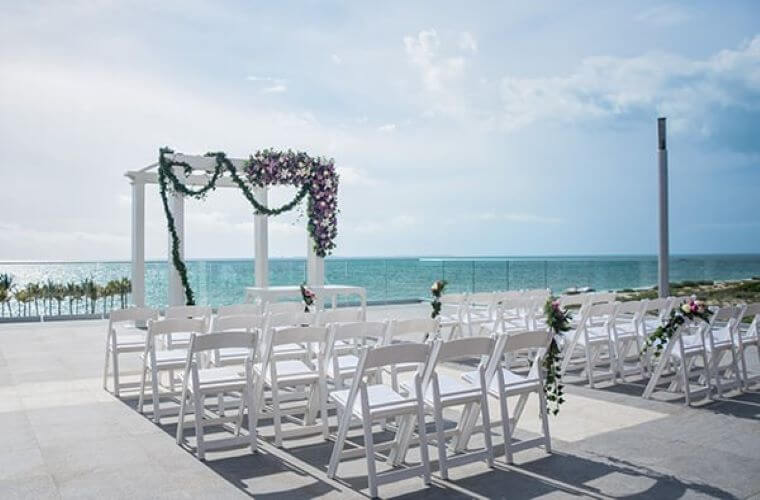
(222, 281)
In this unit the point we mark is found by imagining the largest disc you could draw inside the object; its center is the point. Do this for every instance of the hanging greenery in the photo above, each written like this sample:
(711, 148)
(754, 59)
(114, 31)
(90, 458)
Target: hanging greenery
(558, 322)
(690, 311)
(315, 177)
(437, 290)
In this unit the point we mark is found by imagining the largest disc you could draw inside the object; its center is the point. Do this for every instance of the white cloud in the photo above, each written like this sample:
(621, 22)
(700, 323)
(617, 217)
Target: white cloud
(603, 87)
(422, 51)
(467, 42)
(336, 59)
(391, 225)
(271, 85)
(388, 127)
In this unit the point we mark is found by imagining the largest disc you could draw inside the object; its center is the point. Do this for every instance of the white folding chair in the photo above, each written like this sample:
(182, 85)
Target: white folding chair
(156, 361)
(626, 328)
(124, 336)
(199, 382)
(508, 383)
(284, 307)
(720, 334)
(417, 330)
(239, 309)
(247, 323)
(443, 391)
(293, 380)
(281, 320)
(593, 338)
(370, 403)
(186, 312)
(452, 315)
(748, 335)
(343, 342)
(685, 346)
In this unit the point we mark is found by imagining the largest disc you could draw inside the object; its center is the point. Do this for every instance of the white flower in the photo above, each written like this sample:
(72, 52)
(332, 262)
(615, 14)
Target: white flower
(686, 308)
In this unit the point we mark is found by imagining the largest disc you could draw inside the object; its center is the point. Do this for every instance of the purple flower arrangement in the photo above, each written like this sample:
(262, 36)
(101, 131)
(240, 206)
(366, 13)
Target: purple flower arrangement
(316, 175)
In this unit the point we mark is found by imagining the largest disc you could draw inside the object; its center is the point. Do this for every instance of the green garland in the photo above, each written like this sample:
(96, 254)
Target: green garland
(558, 322)
(437, 290)
(166, 173)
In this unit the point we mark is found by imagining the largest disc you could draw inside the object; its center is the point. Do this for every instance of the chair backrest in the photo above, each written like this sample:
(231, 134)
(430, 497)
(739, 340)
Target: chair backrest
(340, 315)
(176, 325)
(535, 340)
(240, 322)
(601, 298)
(283, 307)
(238, 309)
(132, 314)
(298, 335)
(185, 312)
(223, 340)
(418, 327)
(387, 355)
(358, 329)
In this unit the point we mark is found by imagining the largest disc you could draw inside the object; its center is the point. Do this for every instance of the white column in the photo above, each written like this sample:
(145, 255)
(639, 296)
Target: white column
(261, 241)
(176, 291)
(315, 265)
(138, 242)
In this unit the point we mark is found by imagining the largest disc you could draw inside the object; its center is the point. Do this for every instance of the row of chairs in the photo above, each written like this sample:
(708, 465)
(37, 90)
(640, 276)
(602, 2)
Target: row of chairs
(281, 370)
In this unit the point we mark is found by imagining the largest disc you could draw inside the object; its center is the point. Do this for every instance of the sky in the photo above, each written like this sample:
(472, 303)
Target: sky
(458, 128)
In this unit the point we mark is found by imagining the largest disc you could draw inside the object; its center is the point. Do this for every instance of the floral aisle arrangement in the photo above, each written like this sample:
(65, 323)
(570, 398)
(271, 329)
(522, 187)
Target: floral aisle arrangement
(692, 311)
(558, 322)
(315, 177)
(437, 290)
(308, 297)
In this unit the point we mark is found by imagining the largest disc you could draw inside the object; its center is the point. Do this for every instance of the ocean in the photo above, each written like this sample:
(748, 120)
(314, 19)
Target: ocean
(222, 281)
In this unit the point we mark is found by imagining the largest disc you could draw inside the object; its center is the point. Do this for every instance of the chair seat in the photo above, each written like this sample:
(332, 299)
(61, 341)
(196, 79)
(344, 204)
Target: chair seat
(452, 390)
(290, 371)
(169, 359)
(346, 365)
(513, 382)
(377, 394)
(218, 378)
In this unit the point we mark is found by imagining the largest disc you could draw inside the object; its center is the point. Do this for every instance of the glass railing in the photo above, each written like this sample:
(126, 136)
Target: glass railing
(218, 282)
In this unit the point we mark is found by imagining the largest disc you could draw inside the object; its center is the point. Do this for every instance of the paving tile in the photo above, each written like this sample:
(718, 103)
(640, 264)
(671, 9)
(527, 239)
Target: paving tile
(40, 487)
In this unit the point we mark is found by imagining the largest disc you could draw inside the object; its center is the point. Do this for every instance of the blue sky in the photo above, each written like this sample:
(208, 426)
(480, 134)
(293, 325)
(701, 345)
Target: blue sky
(477, 128)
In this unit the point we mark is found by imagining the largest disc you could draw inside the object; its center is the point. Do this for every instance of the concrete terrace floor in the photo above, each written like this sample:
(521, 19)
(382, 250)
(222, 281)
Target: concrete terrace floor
(62, 436)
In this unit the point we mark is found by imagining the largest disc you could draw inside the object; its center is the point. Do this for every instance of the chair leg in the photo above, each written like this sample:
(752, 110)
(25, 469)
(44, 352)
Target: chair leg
(506, 429)
(141, 399)
(487, 428)
(251, 421)
(685, 377)
(156, 399)
(181, 418)
(115, 354)
(370, 455)
(105, 363)
(544, 420)
(323, 413)
(424, 452)
(199, 404)
(439, 435)
(345, 421)
(276, 415)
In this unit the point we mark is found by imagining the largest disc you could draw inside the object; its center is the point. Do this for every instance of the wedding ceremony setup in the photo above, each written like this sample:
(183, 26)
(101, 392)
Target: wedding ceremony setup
(352, 250)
